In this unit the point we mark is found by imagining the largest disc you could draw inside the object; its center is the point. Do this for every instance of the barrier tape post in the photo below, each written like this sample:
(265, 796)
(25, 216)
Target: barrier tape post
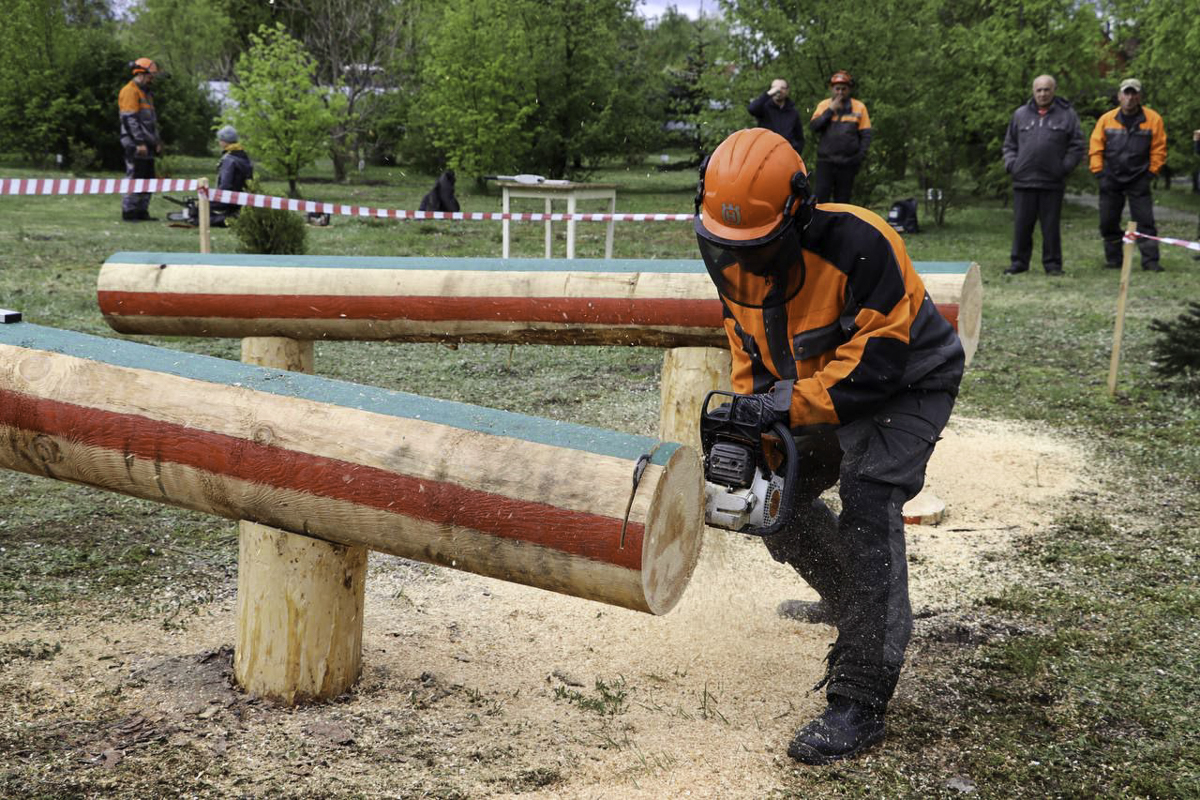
(202, 193)
(1122, 293)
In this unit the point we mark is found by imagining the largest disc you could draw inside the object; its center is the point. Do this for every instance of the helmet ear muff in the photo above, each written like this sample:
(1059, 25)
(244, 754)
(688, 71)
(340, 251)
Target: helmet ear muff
(700, 185)
(801, 199)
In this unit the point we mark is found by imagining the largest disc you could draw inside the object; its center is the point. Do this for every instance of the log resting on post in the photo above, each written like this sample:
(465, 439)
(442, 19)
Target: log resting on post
(504, 495)
(645, 302)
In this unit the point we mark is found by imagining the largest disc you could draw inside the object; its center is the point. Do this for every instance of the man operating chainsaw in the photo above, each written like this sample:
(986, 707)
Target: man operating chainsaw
(832, 334)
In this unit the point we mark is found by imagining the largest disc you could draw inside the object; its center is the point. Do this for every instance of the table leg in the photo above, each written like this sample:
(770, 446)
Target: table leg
(570, 226)
(504, 224)
(549, 234)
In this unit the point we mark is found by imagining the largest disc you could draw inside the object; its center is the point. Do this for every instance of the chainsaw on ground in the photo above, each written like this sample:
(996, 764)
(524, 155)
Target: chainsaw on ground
(749, 487)
(189, 217)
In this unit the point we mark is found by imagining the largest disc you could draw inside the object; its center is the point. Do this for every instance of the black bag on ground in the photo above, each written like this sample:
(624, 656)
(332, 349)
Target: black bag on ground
(441, 196)
(903, 216)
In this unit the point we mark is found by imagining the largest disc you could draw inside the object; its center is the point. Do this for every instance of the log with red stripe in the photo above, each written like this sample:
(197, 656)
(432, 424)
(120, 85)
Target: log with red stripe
(505, 495)
(650, 302)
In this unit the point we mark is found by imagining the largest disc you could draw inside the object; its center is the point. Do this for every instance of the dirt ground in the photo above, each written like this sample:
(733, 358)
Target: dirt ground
(473, 687)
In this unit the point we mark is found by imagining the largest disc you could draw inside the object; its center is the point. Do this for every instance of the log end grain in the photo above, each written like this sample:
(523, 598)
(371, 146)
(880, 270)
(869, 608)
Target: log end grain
(674, 531)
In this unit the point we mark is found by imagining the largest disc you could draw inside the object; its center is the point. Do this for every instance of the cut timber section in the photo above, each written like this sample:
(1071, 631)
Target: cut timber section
(505, 495)
(646, 302)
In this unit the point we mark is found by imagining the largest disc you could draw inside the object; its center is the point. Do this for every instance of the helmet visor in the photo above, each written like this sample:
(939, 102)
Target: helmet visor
(762, 273)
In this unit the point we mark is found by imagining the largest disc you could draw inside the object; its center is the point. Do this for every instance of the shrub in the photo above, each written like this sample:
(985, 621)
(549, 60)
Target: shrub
(269, 230)
(1177, 348)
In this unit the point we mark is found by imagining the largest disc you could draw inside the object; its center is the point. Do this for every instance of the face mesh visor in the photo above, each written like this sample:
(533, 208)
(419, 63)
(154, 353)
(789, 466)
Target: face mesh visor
(762, 273)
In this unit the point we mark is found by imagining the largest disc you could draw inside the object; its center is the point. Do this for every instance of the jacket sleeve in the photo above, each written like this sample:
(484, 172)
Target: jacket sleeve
(797, 136)
(1096, 147)
(883, 297)
(864, 144)
(1158, 146)
(1075, 148)
(226, 171)
(1011, 146)
(822, 116)
(758, 106)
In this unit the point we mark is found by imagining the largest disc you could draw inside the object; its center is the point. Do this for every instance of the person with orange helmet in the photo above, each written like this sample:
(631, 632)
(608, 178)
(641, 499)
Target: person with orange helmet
(139, 136)
(832, 331)
(843, 129)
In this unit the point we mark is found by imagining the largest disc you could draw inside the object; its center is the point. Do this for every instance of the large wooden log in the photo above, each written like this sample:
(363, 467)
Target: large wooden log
(648, 302)
(500, 494)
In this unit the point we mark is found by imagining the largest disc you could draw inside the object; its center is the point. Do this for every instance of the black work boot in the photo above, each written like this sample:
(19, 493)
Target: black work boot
(813, 612)
(846, 728)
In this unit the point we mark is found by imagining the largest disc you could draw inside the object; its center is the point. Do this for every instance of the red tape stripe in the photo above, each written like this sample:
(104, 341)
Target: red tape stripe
(590, 536)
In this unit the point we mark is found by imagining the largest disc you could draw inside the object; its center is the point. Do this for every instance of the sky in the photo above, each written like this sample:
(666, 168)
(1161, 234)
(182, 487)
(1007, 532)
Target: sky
(690, 7)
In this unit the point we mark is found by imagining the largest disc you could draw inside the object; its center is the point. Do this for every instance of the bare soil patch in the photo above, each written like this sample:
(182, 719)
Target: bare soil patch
(473, 687)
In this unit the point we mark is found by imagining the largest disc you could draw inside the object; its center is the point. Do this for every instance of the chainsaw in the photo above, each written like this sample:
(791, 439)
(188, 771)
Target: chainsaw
(748, 488)
(189, 217)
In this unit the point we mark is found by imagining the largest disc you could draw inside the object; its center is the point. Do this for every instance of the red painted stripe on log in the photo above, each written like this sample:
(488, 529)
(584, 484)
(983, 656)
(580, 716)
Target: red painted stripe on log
(578, 533)
(580, 310)
(574, 310)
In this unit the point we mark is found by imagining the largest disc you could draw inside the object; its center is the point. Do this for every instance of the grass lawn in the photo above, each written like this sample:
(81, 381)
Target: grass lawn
(1094, 697)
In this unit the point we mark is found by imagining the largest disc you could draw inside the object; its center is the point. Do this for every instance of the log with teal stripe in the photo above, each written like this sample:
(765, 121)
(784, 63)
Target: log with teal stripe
(649, 302)
(505, 495)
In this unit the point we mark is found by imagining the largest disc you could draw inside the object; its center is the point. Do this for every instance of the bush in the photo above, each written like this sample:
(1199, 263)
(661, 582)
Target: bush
(1177, 348)
(268, 230)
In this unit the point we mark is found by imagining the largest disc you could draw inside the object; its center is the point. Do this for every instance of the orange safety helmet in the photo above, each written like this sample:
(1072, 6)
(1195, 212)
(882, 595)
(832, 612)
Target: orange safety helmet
(753, 203)
(841, 76)
(144, 65)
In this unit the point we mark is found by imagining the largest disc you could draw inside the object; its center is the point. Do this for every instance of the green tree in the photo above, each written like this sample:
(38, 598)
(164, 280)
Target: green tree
(192, 39)
(550, 86)
(279, 107)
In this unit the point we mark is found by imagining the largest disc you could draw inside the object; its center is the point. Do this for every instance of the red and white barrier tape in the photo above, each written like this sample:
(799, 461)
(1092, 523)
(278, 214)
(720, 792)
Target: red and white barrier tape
(49, 186)
(315, 207)
(1129, 237)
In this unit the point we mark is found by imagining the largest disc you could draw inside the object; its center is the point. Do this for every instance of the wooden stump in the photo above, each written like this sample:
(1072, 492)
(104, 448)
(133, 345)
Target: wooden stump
(300, 600)
(689, 373)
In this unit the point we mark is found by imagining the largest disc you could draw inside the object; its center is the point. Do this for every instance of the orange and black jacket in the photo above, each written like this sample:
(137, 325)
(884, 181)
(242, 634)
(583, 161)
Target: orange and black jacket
(1126, 148)
(844, 136)
(139, 123)
(861, 330)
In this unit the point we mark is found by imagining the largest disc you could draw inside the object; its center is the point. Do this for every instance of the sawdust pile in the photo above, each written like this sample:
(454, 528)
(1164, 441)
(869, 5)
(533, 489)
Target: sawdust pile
(482, 688)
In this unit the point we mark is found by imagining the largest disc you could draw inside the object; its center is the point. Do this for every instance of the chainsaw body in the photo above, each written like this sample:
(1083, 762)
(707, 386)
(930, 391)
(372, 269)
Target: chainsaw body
(742, 491)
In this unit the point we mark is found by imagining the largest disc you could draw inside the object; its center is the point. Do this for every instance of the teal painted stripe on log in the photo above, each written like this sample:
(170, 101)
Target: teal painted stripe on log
(325, 390)
(439, 263)
(458, 264)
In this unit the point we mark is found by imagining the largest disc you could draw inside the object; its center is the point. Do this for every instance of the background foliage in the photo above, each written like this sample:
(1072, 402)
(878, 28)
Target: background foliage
(562, 87)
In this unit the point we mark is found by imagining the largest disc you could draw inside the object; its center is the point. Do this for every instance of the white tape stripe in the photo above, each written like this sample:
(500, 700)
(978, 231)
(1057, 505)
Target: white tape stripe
(1129, 237)
(47, 186)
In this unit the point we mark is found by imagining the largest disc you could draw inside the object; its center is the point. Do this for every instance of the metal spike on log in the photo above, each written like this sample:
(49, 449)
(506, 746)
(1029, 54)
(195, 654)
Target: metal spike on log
(646, 302)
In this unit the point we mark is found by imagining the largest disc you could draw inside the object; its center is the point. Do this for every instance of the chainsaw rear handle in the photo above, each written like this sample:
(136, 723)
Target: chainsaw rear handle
(791, 476)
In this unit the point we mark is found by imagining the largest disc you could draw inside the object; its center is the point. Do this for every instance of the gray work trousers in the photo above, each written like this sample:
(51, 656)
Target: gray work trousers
(137, 167)
(856, 560)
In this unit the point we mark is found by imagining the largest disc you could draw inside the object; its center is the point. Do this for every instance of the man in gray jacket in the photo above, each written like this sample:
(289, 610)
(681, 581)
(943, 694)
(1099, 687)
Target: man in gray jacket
(1043, 144)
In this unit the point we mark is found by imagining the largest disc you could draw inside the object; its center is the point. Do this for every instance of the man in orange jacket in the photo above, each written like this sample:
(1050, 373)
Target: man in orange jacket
(1128, 146)
(843, 129)
(139, 136)
(832, 332)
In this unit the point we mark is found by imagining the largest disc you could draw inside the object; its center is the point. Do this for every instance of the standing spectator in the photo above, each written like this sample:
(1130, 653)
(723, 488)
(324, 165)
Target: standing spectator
(139, 136)
(233, 171)
(775, 112)
(1043, 144)
(1128, 146)
(844, 130)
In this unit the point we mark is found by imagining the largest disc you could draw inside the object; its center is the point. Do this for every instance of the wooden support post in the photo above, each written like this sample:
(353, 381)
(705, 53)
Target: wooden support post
(689, 373)
(299, 600)
(1122, 293)
(204, 209)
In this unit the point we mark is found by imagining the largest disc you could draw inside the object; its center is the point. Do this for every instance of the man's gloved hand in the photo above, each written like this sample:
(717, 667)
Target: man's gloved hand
(766, 408)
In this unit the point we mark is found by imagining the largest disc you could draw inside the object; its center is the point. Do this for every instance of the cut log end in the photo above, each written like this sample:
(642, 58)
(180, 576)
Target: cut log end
(674, 531)
(924, 509)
